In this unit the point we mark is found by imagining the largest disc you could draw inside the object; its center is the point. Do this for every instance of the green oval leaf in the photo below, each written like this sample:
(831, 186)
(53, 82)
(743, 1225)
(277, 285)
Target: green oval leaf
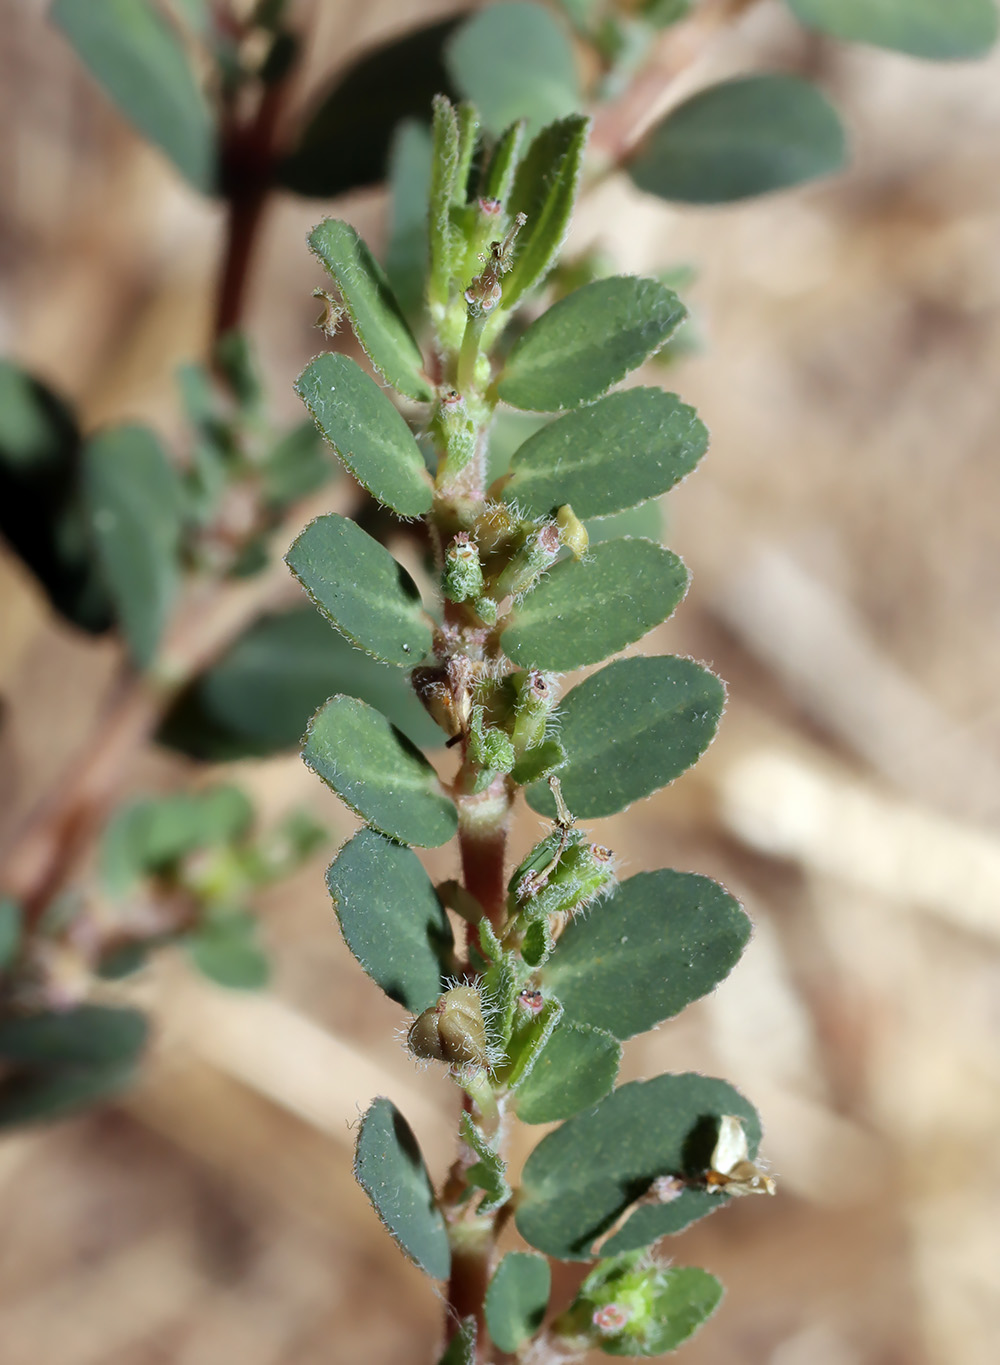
(629, 730)
(258, 698)
(514, 61)
(375, 883)
(580, 1179)
(585, 610)
(133, 498)
(577, 1067)
(942, 30)
(662, 940)
(588, 341)
(139, 60)
(378, 773)
(375, 315)
(367, 432)
(608, 457)
(517, 1298)
(346, 138)
(745, 137)
(391, 1171)
(361, 589)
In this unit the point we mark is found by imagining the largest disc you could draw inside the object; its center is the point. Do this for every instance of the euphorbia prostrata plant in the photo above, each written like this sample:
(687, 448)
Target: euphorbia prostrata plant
(558, 962)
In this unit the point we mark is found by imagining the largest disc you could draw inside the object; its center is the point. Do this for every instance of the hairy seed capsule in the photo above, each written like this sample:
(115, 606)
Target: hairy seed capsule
(451, 1031)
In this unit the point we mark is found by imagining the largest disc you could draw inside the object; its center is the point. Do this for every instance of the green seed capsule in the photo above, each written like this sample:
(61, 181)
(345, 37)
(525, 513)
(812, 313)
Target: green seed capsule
(451, 1031)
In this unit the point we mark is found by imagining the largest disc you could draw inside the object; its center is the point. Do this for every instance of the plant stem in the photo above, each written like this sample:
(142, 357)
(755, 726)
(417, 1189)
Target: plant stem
(482, 836)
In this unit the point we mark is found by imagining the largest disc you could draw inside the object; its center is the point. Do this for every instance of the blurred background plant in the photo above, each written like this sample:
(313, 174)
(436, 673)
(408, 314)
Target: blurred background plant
(143, 597)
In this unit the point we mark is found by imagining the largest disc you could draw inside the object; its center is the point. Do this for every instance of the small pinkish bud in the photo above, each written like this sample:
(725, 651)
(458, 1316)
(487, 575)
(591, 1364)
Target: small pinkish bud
(612, 1318)
(491, 207)
(666, 1188)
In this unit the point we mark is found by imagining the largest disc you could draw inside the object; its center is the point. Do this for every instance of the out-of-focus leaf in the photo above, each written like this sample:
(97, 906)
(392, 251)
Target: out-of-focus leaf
(942, 30)
(346, 139)
(134, 503)
(42, 515)
(58, 1063)
(406, 256)
(514, 60)
(10, 931)
(137, 57)
(744, 137)
(298, 465)
(258, 698)
(224, 948)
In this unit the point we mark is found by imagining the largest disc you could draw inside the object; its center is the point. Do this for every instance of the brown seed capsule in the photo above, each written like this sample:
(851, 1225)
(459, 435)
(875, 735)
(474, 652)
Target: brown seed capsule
(451, 1031)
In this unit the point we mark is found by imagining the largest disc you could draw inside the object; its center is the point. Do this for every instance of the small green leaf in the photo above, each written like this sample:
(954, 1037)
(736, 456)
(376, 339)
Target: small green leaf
(742, 138)
(378, 773)
(588, 341)
(462, 1347)
(514, 61)
(941, 30)
(224, 948)
(488, 1173)
(517, 1298)
(297, 465)
(546, 184)
(10, 931)
(391, 1171)
(577, 1067)
(134, 505)
(581, 1178)
(138, 58)
(629, 730)
(539, 762)
(527, 1047)
(498, 179)
(585, 610)
(258, 698)
(346, 138)
(663, 940)
(367, 432)
(406, 256)
(361, 589)
(375, 315)
(444, 173)
(608, 457)
(376, 883)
